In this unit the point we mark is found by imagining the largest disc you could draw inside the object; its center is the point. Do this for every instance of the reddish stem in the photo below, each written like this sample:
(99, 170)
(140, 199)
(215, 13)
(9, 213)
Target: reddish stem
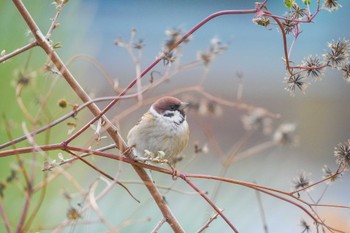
(209, 201)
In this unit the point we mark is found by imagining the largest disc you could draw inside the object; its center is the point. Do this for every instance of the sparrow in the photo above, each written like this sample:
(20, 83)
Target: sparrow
(162, 133)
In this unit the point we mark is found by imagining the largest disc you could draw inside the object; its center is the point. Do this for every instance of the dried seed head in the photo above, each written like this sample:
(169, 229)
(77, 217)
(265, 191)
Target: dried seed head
(257, 119)
(296, 81)
(328, 173)
(342, 155)
(306, 227)
(338, 53)
(284, 135)
(216, 48)
(289, 25)
(331, 5)
(314, 66)
(73, 214)
(346, 71)
(262, 21)
(301, 181)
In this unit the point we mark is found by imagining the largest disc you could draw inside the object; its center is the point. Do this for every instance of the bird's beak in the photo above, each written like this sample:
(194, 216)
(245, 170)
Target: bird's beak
(183, 105)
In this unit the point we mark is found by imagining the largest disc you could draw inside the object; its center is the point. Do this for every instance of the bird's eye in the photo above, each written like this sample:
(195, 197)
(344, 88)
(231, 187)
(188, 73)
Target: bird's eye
(173, 107)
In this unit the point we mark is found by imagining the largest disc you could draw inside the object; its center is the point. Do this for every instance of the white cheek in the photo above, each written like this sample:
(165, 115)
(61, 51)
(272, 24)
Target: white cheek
(176, 120)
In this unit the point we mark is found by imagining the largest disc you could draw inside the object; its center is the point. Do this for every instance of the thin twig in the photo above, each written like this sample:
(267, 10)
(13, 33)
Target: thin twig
(211, 219)
(267, 190)
(47, 47)
(159, 225)
(18, 51)
(103, 173)
(209, 202)
(262, 211)
(4, 217)
(93, 203)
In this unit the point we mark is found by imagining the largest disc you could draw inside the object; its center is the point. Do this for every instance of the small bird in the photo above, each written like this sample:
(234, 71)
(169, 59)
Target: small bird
(162, 133)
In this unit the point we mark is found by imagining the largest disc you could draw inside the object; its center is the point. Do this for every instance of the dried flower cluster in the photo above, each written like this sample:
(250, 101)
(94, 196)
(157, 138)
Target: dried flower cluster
(346, 71)
(302, 181)
(174, 35)
(169, 49)
(336, 57)
(296, 81)
(257, 120)
(342, 155)
(204, 106)
(338, 53)
(306, 227)
(331, 5)
(328, 173)
(289, 25)
(216, 48)
(314, 66)
(262, 21)
(296, 12)
(284, 135)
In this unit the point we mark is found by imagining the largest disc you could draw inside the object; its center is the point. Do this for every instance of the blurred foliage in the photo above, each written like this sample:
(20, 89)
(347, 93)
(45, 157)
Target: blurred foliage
(26, 72)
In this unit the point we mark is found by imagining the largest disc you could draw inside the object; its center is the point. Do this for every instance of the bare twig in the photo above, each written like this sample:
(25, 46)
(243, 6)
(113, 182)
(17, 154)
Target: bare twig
(4, 217)
(262, 212)
(159, 225)
(18, 51)
(47, 47)
(103, 173)
(211, 219)
(184, 177)
(282, 195)
(94, 206)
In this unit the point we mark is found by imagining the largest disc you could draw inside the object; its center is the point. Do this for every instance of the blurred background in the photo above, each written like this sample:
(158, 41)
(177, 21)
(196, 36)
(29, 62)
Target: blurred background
(88, 32)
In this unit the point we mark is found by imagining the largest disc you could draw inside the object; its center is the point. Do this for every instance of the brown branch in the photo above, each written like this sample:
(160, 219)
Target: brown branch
(47, 47)
(206, 226)
(282, 195)
(103, 173)
(209, 201)
(4, 217)
(18, 51)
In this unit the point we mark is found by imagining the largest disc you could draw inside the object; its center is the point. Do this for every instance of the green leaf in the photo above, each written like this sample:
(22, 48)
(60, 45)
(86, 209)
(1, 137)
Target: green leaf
(307, 2)
(289, 3)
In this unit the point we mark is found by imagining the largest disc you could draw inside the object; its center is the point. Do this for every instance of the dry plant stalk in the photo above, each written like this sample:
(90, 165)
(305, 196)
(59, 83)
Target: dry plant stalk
(256, 119)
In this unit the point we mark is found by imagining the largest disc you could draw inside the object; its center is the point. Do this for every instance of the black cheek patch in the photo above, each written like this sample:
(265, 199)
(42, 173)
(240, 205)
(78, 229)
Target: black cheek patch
(169, 114)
